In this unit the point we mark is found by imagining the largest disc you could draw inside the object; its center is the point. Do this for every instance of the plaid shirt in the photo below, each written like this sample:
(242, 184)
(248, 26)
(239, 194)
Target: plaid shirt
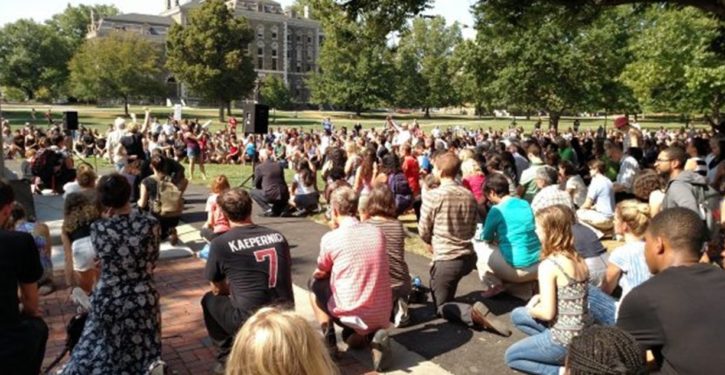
(549, 196)
(448, 220)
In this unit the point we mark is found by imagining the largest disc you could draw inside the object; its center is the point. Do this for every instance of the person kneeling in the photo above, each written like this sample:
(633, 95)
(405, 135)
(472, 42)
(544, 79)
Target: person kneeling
(248, 267)
(351, 285)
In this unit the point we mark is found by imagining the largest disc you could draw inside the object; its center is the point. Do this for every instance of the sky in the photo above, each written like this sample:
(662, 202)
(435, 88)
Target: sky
(41, 10)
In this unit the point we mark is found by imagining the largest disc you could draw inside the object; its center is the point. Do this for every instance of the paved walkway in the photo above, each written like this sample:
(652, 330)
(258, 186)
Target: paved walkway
(429, 346)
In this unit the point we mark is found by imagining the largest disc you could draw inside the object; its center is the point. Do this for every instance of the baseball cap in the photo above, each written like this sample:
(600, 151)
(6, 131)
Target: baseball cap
(621, 122)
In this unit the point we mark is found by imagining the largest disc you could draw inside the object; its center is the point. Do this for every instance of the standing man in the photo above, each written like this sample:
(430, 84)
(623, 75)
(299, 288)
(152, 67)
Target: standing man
(351, 285)
(248, 267)
(447, 223)
(270, 192)
(677, 313)
(23, 333)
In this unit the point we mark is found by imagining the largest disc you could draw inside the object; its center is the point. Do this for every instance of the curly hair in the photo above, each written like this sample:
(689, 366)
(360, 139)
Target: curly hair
(79, 210)
(645, 182)
(605, 350)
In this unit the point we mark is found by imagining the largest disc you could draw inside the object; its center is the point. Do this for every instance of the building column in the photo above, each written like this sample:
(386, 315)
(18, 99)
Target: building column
(285, 47)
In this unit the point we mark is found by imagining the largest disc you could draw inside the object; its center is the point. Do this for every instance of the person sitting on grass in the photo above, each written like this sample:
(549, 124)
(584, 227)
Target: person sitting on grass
(508, 250)
(351, 284)
(216, 222)
(598, 209)
(626, 266)
(559, 313)
(278, 342)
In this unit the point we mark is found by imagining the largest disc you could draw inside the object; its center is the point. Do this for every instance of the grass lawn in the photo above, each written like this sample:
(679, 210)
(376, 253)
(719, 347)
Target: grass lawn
(101, 117)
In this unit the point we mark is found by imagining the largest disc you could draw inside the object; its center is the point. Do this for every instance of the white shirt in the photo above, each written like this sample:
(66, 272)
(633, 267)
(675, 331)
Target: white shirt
(601, 193)
(628, 167)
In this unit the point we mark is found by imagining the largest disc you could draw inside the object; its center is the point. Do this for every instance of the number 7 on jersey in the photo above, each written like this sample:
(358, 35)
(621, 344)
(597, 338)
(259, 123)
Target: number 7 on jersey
(271, 253)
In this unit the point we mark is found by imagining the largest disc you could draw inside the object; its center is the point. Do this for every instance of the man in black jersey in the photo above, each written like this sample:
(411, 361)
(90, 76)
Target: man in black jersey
(248, 267)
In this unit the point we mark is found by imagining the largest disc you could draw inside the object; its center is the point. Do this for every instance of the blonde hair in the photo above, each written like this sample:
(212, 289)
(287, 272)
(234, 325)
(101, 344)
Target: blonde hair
(351, 147)
(635, 214)
(466, 154)
(277, 342)
(556, 222)
(470, 167)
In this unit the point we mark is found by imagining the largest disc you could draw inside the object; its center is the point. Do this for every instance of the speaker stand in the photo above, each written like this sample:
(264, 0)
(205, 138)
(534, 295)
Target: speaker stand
(250, 178)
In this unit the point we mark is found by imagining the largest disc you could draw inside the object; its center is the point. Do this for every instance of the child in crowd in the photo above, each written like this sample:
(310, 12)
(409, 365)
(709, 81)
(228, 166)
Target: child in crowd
(216, 222)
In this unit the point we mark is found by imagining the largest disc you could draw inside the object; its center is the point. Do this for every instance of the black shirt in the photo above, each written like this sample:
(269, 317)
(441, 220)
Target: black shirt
(19, 263)
(678, 314)
(256, 262)
(269, 177)
(134, 145)
(586, 242)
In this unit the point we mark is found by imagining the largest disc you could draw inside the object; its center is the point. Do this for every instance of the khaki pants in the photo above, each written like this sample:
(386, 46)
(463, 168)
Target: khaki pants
(494, 271)
(595, 219)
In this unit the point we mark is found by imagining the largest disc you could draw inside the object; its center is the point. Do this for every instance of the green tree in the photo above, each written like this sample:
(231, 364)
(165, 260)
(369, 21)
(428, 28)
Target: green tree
(32, 57)
(121, 65)
(356, 67)
(678, 65)
(274, 92)
(428, 45)
(551, 62)
(474, 76)
(74, 21)
(210, 54)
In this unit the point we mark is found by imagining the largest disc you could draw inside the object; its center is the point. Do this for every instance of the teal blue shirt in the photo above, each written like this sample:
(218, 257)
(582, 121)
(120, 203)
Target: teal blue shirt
(511, 223)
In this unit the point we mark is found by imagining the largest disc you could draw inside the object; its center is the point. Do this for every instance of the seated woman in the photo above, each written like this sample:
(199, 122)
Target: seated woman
(598, 208)
(276, 342)
(474, 180)
(216, 222)
(626, 266)
(79, 212)
(41, 236)
(508, 250)
(380, 212)
(573, 183)
(553, 318)
(150, 193)
(123, 330)
(303, 189)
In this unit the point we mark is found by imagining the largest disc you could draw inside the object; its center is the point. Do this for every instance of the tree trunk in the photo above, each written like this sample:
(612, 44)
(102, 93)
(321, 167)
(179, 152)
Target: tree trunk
(274, 115)
(427, 112)
(229, 108)
(125, 105)
(528, 114)
(554, 120)
(221, 111)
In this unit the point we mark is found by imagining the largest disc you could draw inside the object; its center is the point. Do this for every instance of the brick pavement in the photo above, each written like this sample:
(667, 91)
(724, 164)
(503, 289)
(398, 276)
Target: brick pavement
(186, 347)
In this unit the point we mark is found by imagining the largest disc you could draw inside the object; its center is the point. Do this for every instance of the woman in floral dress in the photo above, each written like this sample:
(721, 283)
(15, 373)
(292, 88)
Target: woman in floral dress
(123, 331)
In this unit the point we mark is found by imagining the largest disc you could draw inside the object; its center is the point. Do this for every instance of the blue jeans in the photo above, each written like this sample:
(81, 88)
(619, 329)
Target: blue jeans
(538, 353)
(602, 306)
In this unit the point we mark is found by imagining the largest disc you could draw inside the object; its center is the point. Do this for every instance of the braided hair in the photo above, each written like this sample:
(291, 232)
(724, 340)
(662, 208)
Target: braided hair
(605, 351)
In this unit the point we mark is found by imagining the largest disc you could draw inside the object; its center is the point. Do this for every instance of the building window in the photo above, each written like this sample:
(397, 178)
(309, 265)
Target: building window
(260, 62)
(260, 51)
(299, 38)
(299, 68)
(274, 32)
(274, 52)
(260, 31)
(309, 40)
(275, 65)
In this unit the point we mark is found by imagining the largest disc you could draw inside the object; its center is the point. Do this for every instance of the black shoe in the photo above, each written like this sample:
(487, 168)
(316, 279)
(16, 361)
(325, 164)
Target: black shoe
(482, 316)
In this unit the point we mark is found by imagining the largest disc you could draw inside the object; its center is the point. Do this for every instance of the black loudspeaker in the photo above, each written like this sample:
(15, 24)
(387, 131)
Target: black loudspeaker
(23, 195)
(70, 120)
(256, 118)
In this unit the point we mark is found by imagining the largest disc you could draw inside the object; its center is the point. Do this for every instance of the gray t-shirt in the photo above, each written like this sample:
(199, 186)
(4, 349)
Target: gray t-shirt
(602, 194)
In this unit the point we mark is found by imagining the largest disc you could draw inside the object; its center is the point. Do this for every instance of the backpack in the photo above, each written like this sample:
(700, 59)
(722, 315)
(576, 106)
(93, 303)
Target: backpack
(708, 201)
(168, 202)
(398, 184)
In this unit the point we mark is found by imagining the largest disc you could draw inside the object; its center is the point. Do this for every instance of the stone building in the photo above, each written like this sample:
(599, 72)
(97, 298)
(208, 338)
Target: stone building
(285, 44)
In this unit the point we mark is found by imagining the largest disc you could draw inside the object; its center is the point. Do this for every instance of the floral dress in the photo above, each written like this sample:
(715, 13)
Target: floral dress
(123, 332)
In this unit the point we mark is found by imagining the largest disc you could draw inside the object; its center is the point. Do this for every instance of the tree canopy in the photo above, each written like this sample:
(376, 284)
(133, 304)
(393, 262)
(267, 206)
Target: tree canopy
(210, 54)
(275, 93)
(33, 58)
(121, 65)
(73, 23)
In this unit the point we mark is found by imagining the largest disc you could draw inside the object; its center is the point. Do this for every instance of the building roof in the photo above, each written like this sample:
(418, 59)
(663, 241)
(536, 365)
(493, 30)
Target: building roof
(141, 19)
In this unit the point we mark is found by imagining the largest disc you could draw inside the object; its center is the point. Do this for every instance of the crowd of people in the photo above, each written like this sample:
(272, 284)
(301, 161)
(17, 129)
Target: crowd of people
(528, 212)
